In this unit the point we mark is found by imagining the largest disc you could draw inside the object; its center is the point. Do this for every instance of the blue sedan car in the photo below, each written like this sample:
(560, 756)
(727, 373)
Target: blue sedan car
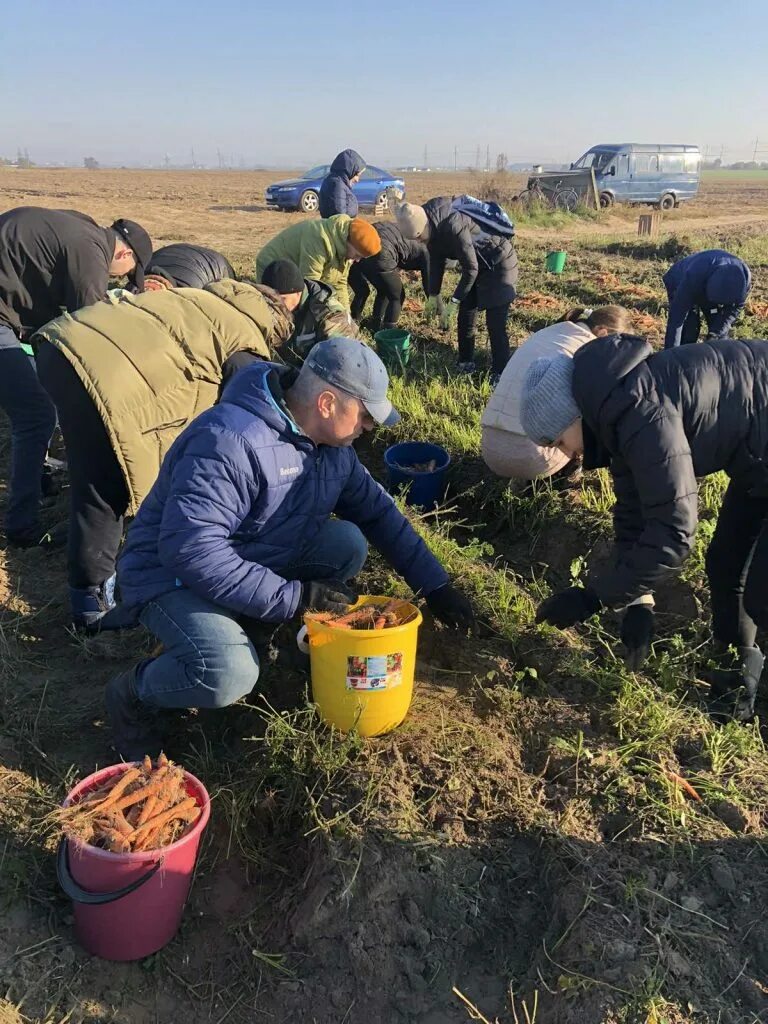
(303, 193)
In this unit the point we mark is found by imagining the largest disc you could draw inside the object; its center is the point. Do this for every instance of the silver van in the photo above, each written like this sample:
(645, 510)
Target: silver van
(630, 172)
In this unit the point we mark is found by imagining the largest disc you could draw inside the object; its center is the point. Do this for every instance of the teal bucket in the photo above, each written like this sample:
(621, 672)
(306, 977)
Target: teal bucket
(394, 347)
(556, 261)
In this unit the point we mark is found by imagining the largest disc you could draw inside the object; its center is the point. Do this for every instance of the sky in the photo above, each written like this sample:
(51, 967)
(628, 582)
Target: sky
(290, 83)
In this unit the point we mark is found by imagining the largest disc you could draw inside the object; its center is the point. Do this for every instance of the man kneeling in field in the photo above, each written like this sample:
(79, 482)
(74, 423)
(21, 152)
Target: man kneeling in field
(239, 527)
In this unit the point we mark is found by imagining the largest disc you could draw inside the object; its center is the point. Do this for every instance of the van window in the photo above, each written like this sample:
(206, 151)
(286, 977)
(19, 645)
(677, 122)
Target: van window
(672, 163)
(598, 160)
(692, 162)
(646, 163)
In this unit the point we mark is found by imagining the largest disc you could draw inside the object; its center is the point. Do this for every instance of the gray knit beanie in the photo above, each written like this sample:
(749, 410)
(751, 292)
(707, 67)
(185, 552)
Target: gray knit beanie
(548, 407)
(411, 219)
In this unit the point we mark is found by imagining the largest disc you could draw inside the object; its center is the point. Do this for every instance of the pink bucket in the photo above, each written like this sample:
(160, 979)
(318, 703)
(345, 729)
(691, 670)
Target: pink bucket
(128, 905)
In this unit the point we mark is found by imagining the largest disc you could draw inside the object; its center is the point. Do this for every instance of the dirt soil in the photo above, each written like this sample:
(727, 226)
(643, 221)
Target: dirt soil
(494, 843)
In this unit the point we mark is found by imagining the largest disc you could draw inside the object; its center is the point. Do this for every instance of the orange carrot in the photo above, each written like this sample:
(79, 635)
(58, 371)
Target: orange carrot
(187, 810)
(683, 784)
(140, 794)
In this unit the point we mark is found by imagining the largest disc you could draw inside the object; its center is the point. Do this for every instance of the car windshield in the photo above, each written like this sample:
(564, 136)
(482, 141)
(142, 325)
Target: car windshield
(317, 172)
(597, 159)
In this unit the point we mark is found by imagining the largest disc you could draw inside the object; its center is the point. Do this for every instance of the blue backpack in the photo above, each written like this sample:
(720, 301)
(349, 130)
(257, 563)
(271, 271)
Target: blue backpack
(489, 216)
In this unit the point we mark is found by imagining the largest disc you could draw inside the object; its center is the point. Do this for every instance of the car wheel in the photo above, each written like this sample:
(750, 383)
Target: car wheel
(309, 201)
(606, 200)
(382, 201)
(666, 202)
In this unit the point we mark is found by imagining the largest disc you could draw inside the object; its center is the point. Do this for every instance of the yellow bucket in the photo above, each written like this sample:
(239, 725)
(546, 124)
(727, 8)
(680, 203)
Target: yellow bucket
(363, 678)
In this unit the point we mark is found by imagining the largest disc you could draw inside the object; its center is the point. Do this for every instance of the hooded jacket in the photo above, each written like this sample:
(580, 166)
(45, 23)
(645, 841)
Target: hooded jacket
(240, 490)
(50, 261)
(152, 362)
(660, 421)
(189, 266)
(319, 250)
(450, 235)
(336, 195)
(713, 281)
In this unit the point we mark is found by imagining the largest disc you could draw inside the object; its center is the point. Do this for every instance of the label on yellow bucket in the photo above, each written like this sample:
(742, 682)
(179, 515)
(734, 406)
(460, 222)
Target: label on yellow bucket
(382, 672)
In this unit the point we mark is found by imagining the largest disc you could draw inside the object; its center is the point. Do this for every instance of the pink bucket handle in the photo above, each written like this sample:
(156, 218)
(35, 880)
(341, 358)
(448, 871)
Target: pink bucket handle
(79, 895)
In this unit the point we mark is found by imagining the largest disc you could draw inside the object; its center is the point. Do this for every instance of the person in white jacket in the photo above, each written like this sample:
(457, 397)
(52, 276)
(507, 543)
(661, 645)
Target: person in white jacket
(505, 448)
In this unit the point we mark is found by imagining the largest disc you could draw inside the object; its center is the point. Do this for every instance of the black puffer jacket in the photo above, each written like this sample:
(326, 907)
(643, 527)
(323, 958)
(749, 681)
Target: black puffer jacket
(397, 251)
(659, 421)
(450, 236)
(489, 261)
(189, 266)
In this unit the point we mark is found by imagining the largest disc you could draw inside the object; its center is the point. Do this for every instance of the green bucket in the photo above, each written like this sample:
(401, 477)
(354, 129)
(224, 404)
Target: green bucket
(556, 261)
(394, 347)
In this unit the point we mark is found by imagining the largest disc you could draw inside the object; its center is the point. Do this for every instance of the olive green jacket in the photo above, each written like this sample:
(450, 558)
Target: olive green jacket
(152, 362)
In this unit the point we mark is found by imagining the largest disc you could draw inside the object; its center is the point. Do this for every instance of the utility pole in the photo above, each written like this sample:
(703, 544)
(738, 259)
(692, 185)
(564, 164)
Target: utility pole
(477, 158)
(166, 162)
(488, 157)
(754, 154)
(194, 162)
(221, 162)
(455, 158)
(426, 157)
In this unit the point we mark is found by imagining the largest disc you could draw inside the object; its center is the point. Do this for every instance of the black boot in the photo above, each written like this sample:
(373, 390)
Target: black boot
(734, 690)
(135, 730)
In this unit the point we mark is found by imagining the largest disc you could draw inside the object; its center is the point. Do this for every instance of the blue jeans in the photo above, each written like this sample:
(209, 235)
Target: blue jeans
(208, 660)
(33, 419)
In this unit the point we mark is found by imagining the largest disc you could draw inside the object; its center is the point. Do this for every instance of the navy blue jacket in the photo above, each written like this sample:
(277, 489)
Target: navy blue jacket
(713, 281)
(336, 195)
(240, 491)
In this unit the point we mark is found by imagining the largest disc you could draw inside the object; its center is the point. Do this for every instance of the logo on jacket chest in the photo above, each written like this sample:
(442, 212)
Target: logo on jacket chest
(288, 471)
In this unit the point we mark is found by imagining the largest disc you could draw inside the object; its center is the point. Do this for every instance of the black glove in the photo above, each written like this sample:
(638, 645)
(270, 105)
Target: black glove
(326, 596)
(637, 629)
(568, 607)
(450, 606)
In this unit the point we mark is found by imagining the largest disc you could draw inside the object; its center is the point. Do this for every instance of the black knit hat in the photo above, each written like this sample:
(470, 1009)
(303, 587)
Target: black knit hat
(136, 237)
(283, 276)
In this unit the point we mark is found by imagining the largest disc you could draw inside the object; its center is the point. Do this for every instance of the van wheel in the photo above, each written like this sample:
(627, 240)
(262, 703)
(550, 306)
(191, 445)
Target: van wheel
(667, 202)
(606, 200)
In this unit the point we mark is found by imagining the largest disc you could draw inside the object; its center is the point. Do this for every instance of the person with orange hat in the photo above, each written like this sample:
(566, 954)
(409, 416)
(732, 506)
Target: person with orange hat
(323, 250)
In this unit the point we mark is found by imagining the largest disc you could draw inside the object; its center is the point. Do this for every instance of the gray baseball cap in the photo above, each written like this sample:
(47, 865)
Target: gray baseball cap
(351, 366)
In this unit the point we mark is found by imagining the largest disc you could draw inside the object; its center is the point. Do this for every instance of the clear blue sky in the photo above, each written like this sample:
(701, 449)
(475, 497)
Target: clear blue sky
(291, 82)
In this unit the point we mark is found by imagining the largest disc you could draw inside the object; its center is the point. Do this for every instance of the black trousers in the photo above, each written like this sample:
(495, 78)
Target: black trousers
(737, 568)
(97, 488)
(496, 323)
(388, 285)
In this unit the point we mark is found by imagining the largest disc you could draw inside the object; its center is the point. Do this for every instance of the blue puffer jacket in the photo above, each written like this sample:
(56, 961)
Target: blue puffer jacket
(714, 281)
(238, 491)
(336, 195)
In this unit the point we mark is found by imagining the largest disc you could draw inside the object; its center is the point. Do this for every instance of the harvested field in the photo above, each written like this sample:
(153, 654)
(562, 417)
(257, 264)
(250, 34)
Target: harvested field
(547, 832)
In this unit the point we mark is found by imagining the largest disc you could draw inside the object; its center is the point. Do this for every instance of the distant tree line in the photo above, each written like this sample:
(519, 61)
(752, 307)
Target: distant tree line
(739, 165)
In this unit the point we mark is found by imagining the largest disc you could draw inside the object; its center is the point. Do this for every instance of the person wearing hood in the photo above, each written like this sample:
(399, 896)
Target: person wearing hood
(382, 273)
(505, 448)
(126, 376)
(713, 283)
(488, 281)
(50, 261)
(323, 250)
(183, 265)
(315, 312)
(659, 421)
(262, 511)
(336, 195)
